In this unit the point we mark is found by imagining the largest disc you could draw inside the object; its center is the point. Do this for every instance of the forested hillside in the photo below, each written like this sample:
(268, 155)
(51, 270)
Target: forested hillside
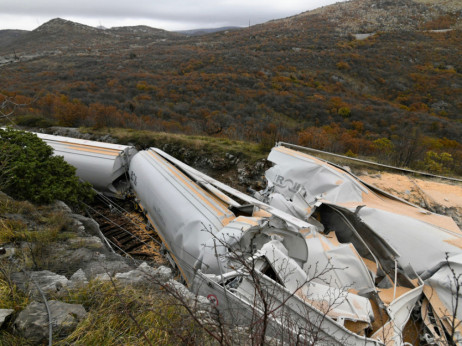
(365, 77)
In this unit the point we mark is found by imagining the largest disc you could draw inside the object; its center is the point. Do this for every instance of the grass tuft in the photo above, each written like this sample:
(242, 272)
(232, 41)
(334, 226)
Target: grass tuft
(131, 316)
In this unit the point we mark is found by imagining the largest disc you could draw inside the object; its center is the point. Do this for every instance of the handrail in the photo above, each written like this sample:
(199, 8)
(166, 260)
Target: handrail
(285, 144)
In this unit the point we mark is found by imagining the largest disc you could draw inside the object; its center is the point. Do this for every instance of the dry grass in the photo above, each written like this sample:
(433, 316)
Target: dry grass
(131, 316)
(9, 205)
(116, 315)
(10, 296)
(210, 145)
(23, 221)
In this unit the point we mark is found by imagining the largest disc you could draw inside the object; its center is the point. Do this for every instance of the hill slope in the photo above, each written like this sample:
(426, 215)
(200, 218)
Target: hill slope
(304, 79)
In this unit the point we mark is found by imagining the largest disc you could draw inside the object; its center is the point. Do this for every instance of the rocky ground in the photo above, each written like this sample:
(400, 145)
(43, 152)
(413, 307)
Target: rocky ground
(41, 277)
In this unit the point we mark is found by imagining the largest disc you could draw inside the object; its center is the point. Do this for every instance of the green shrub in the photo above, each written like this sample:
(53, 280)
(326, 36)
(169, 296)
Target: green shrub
(34, 121)
(345, 112)
(436, 162)
(28, 171)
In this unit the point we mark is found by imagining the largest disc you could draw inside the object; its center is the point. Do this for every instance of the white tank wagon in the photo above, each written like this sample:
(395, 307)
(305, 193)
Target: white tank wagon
(203, 235)
(183, 214)
(104, 165)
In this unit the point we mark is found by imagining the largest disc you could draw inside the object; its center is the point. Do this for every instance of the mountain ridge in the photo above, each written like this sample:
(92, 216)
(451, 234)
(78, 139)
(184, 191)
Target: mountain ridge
(308, 78)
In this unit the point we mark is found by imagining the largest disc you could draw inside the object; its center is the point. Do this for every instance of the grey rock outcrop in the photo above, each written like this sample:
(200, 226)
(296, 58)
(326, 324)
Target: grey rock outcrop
(90, 225)
(48, 281)
(103, 277)
(87, 242)
(4, 314)
(195, 302)
(60, 205)
(78, 279)
(145, 274)
(106, 264)
(33, 322)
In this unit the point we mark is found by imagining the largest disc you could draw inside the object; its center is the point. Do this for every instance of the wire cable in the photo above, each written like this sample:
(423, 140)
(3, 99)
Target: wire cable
(289, 145)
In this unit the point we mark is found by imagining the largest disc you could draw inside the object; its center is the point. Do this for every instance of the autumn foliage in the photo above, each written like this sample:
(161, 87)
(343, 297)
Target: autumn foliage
(395, 96)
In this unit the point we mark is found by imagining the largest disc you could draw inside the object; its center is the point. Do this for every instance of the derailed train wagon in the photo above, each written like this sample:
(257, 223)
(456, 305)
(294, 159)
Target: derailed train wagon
(317, 255)
(104, 165)
(249, 259)
(426, 243)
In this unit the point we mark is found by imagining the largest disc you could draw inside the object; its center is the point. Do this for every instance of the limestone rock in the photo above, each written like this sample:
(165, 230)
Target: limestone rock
(78, 279)
(33, 322)
(145, 274)
(60, 205)
(81, 255)
(110, 263)
(4, 314)
(91, 226)
(195, 302)
(103, 277)
(48, 281)
(88, 242)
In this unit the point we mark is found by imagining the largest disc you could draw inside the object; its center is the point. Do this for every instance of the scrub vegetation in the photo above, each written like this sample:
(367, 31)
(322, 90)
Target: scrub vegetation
(132, 316)
(28, 171)
(308, 79)
(203, 145)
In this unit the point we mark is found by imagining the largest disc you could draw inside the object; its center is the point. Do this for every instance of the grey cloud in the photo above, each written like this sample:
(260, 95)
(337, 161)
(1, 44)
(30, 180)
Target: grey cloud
(198, 12)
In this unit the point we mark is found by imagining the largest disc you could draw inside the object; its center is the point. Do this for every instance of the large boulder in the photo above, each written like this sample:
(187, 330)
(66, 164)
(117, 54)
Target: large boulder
(33, 322)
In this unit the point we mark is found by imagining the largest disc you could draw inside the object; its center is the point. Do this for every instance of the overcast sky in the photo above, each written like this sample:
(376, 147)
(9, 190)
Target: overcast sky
(163, 14)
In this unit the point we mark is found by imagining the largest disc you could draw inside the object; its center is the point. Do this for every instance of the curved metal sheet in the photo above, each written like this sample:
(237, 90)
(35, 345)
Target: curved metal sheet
(184, 214)
(98, 163)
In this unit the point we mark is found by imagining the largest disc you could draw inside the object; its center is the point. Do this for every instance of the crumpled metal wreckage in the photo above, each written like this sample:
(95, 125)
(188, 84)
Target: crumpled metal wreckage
(318, 255)
(422, 242)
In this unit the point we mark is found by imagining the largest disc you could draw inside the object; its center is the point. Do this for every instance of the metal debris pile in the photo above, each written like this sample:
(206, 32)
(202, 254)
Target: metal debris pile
(318, 255)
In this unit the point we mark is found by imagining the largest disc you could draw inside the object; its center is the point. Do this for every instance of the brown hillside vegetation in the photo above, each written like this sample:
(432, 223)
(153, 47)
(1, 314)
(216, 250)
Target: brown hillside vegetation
(395, 95)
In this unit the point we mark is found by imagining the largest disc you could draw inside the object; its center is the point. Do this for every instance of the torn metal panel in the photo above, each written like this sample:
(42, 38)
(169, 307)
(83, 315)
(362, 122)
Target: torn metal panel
(419, 244)
(349, 228)
(302, 173)
(381, 228)
(271, 249)
(338, 265)
(294, 171)
(444, 292)
(421, 238)
(399, 311)
(104, 165)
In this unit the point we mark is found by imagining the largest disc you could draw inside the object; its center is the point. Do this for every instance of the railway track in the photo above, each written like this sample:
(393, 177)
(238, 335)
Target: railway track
(126, 230)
